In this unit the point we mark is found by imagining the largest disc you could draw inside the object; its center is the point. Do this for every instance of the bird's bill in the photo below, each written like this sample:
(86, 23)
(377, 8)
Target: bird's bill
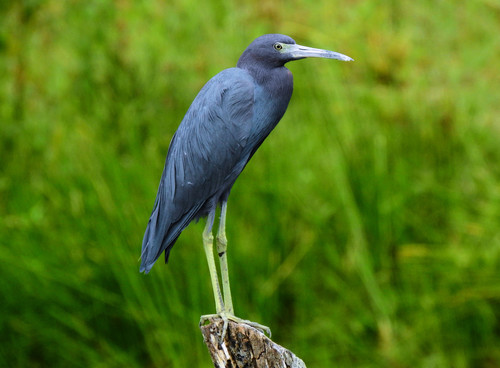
(299, 52)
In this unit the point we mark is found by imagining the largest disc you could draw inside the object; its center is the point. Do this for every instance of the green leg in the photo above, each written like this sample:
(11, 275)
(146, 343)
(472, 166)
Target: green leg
(221, 250)
(224, 308)
(208, 240)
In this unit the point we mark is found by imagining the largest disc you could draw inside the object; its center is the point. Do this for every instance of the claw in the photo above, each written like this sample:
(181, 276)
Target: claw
(224, 327)
(225, 317)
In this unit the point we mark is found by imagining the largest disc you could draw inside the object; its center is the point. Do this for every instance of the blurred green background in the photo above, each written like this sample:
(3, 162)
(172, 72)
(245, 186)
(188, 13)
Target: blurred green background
(365, 232)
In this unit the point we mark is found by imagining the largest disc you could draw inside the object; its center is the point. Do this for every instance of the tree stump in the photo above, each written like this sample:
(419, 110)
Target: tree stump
(245, 347)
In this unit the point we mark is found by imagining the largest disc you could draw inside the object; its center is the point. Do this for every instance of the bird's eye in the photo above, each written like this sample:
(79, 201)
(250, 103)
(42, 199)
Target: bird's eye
(278, 46)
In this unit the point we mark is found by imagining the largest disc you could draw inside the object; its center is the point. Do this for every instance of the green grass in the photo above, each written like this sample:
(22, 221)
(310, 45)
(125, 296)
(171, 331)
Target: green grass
(365, 232)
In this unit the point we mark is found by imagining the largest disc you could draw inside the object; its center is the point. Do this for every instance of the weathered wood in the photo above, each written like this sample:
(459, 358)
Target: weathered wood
(245, 347)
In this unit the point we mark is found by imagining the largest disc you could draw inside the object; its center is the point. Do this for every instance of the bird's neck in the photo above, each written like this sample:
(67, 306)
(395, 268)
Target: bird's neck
(277, 81)
(273, 92)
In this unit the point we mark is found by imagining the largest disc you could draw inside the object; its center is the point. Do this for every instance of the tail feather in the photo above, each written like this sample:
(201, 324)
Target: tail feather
(151, 247)
(161, 234)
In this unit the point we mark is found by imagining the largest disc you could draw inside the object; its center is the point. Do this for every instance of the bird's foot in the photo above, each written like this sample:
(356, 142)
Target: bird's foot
(226, 317)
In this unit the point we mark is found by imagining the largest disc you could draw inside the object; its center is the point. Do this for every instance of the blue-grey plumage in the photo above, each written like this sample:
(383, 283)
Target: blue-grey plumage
(226, 123)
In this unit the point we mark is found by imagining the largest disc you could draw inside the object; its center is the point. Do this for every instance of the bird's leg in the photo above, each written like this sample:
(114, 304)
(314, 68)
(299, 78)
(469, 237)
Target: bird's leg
(224, 308)
(208, 240)
(228, 313)
(208, 243)
(221, 251)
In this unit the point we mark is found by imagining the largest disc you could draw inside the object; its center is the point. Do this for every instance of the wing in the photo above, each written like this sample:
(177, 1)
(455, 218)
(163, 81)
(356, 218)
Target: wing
(204, 158)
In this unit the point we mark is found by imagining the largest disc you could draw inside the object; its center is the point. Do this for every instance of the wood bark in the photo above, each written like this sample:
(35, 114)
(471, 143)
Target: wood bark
(245, 346)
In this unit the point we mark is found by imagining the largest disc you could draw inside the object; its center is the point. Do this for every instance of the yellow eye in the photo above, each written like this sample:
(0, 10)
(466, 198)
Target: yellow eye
(278, 46)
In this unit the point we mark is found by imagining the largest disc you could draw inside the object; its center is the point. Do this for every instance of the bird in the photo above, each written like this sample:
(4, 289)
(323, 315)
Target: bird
(225, 125)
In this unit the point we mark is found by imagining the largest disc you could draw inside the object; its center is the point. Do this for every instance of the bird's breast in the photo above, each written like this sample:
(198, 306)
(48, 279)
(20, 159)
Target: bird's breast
(269, 108)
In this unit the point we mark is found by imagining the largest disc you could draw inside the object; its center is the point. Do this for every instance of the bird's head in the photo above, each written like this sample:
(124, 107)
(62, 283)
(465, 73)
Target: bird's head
(275, 50)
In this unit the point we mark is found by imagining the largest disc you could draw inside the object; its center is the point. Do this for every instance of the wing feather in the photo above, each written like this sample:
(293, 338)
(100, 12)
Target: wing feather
(205, 156)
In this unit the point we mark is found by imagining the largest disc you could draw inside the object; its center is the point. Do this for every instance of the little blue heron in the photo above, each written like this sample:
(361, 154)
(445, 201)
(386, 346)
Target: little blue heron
(226, 123)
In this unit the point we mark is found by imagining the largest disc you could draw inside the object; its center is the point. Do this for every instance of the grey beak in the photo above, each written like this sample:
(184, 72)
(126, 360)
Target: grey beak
(299, 52)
